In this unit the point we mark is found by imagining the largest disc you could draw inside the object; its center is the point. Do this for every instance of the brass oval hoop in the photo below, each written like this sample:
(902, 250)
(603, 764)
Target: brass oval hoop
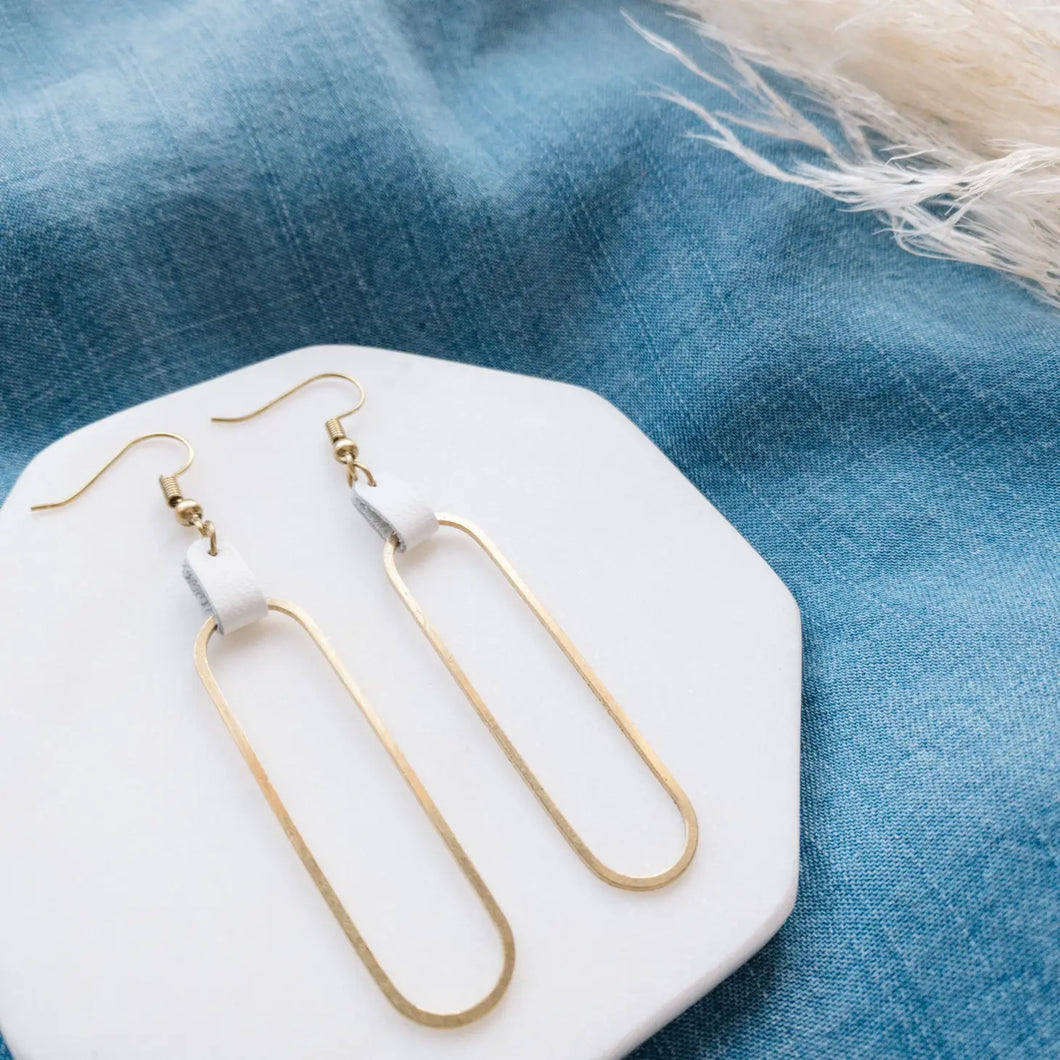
(617, 714)
(327, 892)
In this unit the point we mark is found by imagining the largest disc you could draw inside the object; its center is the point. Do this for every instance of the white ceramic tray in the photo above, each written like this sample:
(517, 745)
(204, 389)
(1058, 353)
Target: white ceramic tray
(150, 906)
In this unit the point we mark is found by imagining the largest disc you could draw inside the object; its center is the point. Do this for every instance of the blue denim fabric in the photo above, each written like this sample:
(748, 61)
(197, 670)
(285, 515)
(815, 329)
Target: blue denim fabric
(188, 186)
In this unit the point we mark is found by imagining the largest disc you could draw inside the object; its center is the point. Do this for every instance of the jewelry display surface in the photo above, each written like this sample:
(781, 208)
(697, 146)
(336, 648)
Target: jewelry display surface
(150, 905)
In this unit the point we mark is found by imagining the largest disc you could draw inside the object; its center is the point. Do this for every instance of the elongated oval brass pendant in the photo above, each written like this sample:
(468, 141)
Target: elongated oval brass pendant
(661, 773)
(394, 996)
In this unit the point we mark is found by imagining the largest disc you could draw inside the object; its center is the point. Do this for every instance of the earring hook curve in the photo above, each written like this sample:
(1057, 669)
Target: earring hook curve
(114, 459)
(294, 390)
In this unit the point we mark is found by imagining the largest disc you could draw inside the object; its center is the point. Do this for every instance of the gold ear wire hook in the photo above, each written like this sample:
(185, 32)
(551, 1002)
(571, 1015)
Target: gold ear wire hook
(187, 511)
(343, 448)
(294, 390)
(114, 459)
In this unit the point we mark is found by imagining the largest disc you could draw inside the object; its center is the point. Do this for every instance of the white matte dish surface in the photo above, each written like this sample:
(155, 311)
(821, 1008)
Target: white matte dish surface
(150, 906)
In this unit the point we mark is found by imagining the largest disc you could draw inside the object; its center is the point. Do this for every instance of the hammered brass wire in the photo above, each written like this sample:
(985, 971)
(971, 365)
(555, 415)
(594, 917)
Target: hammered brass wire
(338, 910)
(607, 701)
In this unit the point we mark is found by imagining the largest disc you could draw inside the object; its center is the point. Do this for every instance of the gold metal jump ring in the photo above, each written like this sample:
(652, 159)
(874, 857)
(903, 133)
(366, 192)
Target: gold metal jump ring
(367, 474)
(207, 529)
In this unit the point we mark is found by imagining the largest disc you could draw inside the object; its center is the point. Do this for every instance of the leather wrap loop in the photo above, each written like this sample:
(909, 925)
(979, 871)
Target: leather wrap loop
(224, 585)
(391, 507)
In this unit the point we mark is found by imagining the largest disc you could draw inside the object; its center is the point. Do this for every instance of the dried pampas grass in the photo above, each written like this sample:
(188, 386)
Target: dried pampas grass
(944, 115)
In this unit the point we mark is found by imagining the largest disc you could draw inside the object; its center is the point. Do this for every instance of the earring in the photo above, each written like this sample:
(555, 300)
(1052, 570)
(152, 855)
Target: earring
(230, 595)
(403, 522)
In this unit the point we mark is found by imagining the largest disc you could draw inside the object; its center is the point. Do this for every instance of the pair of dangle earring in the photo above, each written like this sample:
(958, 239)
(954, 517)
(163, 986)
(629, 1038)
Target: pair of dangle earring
(230, 595)
(232, 598)
(404, 522)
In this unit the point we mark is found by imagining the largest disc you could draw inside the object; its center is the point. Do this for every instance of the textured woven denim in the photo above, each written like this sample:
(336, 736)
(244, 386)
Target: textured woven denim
(188, 186)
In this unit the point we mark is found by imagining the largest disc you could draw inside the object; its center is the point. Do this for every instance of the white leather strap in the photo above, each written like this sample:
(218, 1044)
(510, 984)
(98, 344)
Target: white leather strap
(224, 585)
(392, 508)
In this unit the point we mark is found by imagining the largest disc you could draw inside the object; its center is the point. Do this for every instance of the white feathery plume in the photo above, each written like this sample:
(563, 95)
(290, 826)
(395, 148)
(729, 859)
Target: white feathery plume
(942, 116)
